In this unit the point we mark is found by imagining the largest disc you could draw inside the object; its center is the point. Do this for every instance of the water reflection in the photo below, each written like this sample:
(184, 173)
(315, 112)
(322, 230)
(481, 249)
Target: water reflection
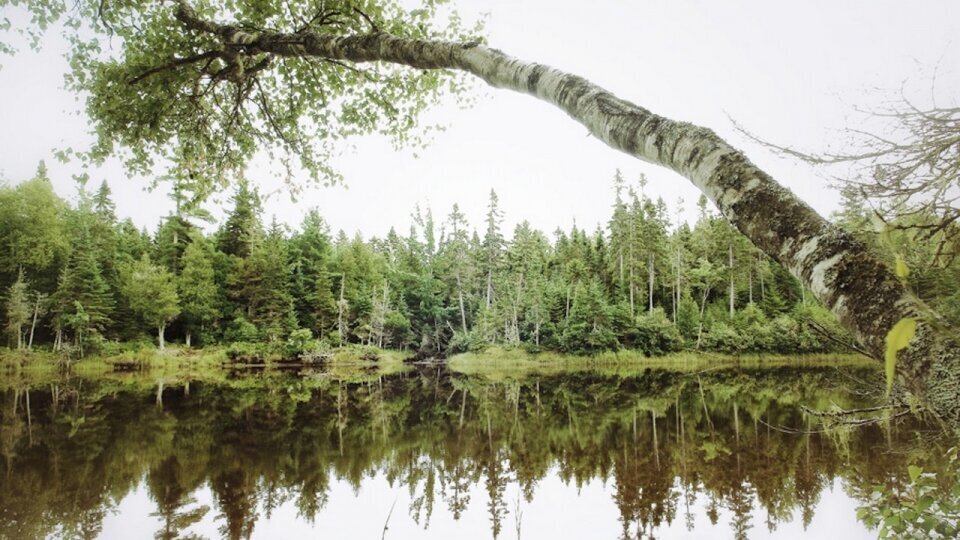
(432, 453)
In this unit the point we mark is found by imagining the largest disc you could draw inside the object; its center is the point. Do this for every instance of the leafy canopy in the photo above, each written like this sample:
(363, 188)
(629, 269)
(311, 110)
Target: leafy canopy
(157, 88)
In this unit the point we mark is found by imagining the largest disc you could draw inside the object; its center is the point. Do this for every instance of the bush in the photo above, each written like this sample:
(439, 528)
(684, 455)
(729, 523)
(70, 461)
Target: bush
(247, 353)
(722, 337)
(923, 508)
(240, 330)
(299, 342)
(470, 342)
(688, 317)
(656, 334)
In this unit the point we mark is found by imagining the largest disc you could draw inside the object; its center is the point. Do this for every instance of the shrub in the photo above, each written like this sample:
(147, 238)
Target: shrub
(298, 343)
(240, 330)
(247, 353)
(656, 334)
(722, 337)
(923, 508)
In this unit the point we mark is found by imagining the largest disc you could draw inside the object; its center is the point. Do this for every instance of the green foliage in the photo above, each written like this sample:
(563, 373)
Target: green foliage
(220, 108)
(32, 229)
(248, 353)
(302, 347)
(151, 292)
(428, 293)
(240, 330)
(196, 287)
(897, 339)
(17, 310)
(657, 335)
(588, 329)
(925, 507)
(83, 302)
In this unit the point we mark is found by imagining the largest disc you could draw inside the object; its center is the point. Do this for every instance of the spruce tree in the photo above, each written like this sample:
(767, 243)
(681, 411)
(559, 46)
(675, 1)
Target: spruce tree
(197, 289)
(266, 275)
(311, 285)
(83, 302)
(242, 227)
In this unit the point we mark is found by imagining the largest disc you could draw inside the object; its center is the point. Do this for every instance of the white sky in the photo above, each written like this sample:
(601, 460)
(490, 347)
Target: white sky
(790, 72)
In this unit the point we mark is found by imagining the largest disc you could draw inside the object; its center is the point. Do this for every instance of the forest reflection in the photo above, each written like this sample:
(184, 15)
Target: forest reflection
(661, 440)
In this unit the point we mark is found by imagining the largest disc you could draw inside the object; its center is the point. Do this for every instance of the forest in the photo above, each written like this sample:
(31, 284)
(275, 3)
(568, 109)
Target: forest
(78, 279)
(247, 375)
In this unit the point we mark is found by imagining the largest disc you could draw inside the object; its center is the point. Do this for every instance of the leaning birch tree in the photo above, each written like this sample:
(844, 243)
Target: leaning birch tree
(216, 80)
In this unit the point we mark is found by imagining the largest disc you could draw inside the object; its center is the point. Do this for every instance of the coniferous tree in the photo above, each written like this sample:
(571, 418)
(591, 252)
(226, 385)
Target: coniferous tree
(198, 292)
(266, 286)
(456, 252)
(83, 302)
(311, 284)
(242, 227)
(492, 245)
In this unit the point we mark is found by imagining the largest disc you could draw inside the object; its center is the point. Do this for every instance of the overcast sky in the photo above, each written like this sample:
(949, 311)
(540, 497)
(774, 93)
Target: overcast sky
(790, 72)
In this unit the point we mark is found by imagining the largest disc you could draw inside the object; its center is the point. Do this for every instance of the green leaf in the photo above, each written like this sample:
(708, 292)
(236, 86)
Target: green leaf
(897, 339)
(914, 472)
(902, 269)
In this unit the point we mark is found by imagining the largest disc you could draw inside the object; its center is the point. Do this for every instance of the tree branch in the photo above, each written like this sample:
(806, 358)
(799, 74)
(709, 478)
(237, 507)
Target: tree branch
(209, 55)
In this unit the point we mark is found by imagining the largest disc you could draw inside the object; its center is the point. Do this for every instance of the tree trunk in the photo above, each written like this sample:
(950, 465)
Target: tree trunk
(341, 304)
(865, 295)
(188, 339)
(732, 292)
(676, 302)
(33, 323)
(703, 309)
(489, 288)
(463, 311)
(763, 291)
(650, 279)
(160, 331)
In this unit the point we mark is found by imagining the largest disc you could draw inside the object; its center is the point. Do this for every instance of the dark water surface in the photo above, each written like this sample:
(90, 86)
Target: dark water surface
(431, 453)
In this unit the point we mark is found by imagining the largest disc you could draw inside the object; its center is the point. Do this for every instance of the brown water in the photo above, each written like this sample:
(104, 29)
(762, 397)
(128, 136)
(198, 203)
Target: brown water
(431, 453)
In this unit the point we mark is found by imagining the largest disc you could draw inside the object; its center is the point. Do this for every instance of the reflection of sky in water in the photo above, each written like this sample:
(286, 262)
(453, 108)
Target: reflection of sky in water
(558, 510)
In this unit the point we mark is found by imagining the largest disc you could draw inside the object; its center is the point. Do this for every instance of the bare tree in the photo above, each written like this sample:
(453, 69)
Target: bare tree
(905, 166)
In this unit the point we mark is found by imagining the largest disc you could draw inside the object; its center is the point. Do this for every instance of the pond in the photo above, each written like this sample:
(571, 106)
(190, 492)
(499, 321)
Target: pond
(429, 452)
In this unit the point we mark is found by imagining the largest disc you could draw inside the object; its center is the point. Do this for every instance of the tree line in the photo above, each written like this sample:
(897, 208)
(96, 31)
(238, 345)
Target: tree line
(77, 277)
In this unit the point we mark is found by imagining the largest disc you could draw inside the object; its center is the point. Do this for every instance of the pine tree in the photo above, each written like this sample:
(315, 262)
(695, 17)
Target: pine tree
(588, 330)
(102, 218)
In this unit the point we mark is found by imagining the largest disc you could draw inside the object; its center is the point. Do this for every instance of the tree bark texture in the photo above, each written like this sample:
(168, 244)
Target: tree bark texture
(857, 287)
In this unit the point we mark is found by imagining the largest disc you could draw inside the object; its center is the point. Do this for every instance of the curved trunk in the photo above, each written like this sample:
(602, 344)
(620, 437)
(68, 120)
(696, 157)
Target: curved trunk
(864, 294)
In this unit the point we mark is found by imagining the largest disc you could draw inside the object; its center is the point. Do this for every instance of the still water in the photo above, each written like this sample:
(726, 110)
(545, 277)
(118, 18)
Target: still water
(433, 453)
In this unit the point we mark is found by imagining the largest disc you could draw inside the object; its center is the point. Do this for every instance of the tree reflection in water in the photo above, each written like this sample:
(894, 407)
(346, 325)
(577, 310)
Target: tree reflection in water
(661, 440)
